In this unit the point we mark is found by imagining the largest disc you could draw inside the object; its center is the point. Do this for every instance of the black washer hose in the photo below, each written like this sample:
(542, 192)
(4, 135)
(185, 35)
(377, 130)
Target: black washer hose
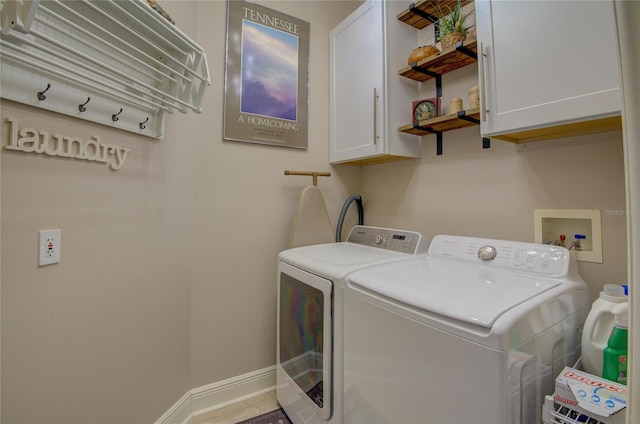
(345, 207)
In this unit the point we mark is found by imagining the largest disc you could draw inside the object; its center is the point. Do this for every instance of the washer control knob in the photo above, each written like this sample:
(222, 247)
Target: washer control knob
(487, 253)
(379, 239)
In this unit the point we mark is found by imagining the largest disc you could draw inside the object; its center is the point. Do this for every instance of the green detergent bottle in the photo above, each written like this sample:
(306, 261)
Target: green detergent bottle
(614, 363)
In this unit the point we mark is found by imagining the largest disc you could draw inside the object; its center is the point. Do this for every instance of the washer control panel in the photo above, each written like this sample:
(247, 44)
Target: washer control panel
(386, 238)
(518, 256)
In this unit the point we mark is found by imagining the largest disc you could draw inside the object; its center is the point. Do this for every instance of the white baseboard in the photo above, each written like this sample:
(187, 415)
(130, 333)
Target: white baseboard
(211, 397)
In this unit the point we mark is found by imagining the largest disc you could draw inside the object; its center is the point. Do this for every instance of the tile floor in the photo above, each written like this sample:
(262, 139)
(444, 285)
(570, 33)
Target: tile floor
(249, 408)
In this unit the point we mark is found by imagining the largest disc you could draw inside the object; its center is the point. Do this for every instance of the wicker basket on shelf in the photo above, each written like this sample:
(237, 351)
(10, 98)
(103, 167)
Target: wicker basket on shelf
(421, 52)
(451, 39)
(474, 96)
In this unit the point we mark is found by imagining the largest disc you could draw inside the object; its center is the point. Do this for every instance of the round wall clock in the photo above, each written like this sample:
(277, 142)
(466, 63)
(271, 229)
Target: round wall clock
(425, 109)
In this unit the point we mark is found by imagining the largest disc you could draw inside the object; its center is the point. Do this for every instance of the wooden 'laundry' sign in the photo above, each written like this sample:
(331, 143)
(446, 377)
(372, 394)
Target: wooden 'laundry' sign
(32, 140)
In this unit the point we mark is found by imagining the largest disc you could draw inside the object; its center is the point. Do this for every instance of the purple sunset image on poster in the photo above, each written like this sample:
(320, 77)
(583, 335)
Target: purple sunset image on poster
(269, 72)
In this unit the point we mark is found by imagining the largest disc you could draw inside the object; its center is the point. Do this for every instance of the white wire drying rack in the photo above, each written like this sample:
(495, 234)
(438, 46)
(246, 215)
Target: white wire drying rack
(117, 63)
(564, 415)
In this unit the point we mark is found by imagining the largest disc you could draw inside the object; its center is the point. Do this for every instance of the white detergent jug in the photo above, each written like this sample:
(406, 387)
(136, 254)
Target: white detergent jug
(598, 326)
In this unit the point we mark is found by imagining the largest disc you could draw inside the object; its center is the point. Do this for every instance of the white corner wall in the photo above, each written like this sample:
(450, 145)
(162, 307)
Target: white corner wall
(627, 16)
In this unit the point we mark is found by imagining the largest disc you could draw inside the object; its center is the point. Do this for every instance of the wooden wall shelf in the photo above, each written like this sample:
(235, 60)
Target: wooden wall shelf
(446, 61)
(453, 121)
(414, 15)
(420, 15)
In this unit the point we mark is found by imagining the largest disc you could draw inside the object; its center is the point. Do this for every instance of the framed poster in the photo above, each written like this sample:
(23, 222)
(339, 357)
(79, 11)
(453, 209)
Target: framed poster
(267, 77)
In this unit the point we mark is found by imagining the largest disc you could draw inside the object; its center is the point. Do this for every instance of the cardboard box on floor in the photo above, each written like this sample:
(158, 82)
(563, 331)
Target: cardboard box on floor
(595, 397)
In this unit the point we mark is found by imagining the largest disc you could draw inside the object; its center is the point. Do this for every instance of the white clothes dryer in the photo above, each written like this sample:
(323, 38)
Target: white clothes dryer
(311, 280)
(473, 332)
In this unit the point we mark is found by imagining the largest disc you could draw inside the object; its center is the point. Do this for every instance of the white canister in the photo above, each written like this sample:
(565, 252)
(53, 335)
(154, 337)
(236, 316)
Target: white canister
(598, 326)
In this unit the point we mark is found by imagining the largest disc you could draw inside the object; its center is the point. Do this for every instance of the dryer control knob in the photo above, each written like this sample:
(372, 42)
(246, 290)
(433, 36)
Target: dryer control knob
(379, 239)
(487, 253)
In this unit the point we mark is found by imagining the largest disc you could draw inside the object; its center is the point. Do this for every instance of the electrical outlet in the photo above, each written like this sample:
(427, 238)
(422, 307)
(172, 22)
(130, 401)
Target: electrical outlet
(49, 247)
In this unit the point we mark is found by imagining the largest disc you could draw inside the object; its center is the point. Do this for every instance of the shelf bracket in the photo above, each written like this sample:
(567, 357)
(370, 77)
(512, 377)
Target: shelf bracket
(433, 19)
(463, 115)
(435, 75)
(486, 142)
(413, 9)
(438, 137)
(463, 49)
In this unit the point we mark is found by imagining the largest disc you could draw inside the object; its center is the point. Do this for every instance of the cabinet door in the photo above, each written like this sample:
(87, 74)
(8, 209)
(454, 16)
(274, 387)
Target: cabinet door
(356, 84)
(546, 63)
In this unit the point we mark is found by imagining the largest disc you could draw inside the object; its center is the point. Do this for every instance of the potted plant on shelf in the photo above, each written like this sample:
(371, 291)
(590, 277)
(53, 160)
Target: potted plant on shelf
(453, 25)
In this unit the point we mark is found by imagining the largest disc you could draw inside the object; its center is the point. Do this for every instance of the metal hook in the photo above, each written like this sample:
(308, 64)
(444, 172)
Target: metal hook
(114, 117)
(81, 107)
(41, 95)
(142, 124)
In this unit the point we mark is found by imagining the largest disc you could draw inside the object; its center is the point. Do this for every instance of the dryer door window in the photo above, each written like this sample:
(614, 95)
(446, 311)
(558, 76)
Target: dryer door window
(305, 335)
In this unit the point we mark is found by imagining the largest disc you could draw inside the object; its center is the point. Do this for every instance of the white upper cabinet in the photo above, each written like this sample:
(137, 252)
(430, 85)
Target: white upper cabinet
(368, 99)
(548, 68)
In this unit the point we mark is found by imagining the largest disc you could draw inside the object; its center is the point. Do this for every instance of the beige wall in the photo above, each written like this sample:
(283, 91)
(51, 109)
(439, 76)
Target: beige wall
(104, 334)
(244, 206)
(167, 278)
(492, 193)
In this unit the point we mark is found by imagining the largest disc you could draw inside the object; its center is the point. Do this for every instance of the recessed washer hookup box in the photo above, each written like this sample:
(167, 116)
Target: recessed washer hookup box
(592, 396)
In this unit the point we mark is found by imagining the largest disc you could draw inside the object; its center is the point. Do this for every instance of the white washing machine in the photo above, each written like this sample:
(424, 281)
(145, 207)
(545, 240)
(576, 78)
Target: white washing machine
(473, 332)
(309, 328)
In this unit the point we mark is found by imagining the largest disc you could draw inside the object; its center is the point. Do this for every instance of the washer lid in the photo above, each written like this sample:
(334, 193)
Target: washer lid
(473, 294)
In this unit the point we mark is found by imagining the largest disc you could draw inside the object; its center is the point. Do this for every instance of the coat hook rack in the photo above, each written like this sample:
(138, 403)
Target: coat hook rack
(115, 117)
(315, 175)
(81, 106)
(41, 95)
(142, 124)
